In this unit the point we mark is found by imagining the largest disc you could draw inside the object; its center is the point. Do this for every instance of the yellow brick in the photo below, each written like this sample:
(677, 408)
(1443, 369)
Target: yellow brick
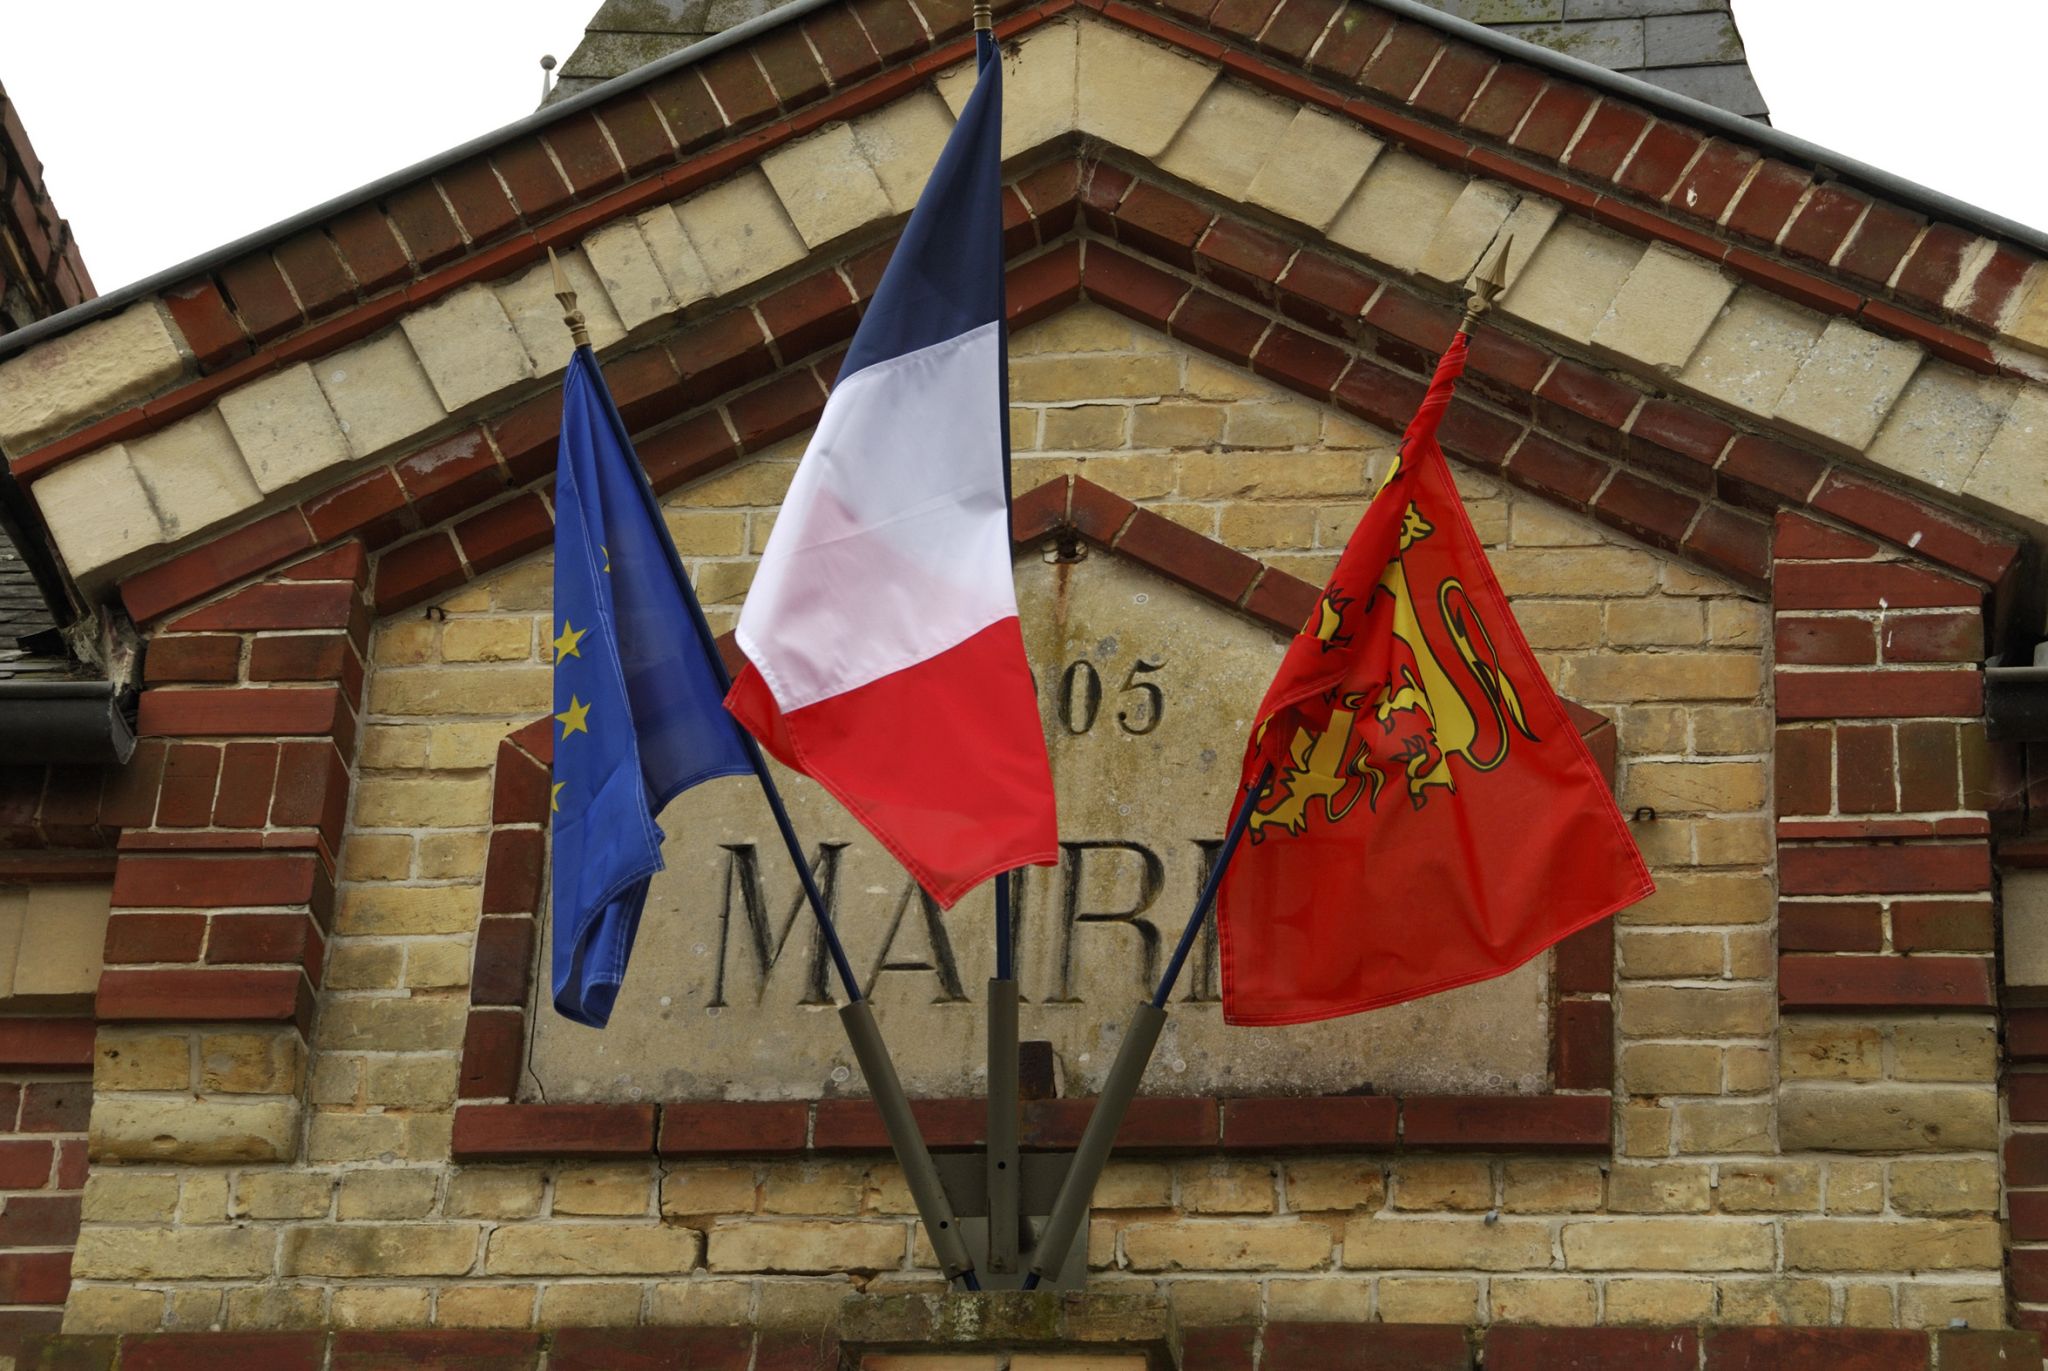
(511, 691)
(413, 1082)
(1887, 1118)
(1796, 1301)
(1576, 572)
(465, 747)
(1207, 1302)
(1945, 1051)
(814, 1247)
(587, 1304)
(1628, 677)
(1945, 1188)
(1327, 1183)
(1336, 523)
(758, 482)
(527, 586)
(1084, 328)
(404, 642)
(1134, 1185)
(113, 1309)
(453, 856)
(194, 1310)
(723, 583)
(1669, 1245)
(1671, 1069)
(1547, 1300)
(695, 1190)
(124, 1059)
(1752, 954)
(1024, 433)
(1200, 518)
(573, 1249)
(1272, 425)
(203, 1198)
(1830, 1049)
(813, 1188)
(173, 1254)
(1086, 428)
(380, 1306)
(1489, 521)
(484, 1306)
(1695, 787)
(1854, 1187)
(1175, 425)
(1671, 956)
(1271, 476)
(1447, 1244)
(1560, 624)
(1769, 1187)
(388, 1194)
(1734, 841)
(437, 964)
(394, 748)
(702, 1303)
(1312, 1299)
(1866, 1305)
(1548, 1187)
(259, 1063)
(1227, 1188)
(494, 1192)
(1221, 1245)
(707, 533)
(1057, 379)
(1651, 729)
(390, 1024)
(113, 1195)
(1428, 1299)
(423, 803)
(1659, 1011)
(487, 640)
(392, 910)
(1892, 1245)
(1704, 898)
(1645, 1131)
(1655, 622)
(605, 1189)
(1659, 1302)
(1928, 1304)
(1268, 526)
(1443, 1183)
(371, 1249)
(282, 1195)
(377, 857)
(1207, 380)
(1747, 1069)
(1728, 730)
(1736, 623)
(1723, 1126)
(1659, 1189)
(356, 965)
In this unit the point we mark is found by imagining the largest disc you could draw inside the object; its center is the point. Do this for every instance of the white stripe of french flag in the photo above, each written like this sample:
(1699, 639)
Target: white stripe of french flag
(884, 655)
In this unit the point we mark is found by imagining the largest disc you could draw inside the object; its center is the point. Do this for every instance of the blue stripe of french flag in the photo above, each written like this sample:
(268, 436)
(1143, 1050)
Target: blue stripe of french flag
(885, 657)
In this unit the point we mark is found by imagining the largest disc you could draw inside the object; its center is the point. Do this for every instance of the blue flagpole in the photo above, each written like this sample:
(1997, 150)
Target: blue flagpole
(877, 1067)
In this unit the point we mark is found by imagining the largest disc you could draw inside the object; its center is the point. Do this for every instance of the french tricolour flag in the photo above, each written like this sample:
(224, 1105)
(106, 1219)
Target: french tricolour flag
(885, 660)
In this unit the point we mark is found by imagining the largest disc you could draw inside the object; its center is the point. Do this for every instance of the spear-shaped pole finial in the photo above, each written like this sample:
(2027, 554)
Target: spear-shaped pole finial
(579, 332)
(1488, 286)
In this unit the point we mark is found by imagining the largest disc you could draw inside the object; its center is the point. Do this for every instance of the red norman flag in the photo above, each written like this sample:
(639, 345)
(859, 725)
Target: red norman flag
(1434, 818)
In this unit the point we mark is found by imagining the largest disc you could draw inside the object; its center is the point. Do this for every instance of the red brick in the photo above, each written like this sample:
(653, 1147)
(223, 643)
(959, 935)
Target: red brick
(1506, 97)
(502, 970)
(584, 153)
(505, 532)
(203, 317)
(1837, 1349)
(248, 773)
(423, 221)
(45, 1044)
(842, 44)
(1297, 26)
(1871, 585)
(25, 1165)
(1942, 926)
(300, 657)
(1325, 294)
(553, 1130)
(1382, 397)
(274, 605)
(1427, 326)
(733, 1126)
(1808, 288)
(1984, 1349)
(55, 1107)
(205, 882)
(1931, 532)
(1051, 193)
(687, 107)
(1163, 1124)
(1131, 287)
(1304, 1346)
(493, 1049)
(742, 91)
(1397, 68)
(2028, 1208)
(1889, 869)
(1883, 694)
(1823, 223)
(1301, 363)
(2026, 1160)
(1510, 1348)
(1553, 119)
(522, 789)
(451, 475)
(651, 1349)
(41, 1220)
(1672, 427)
(789, 404)
(1584, 962)
(1855, 927)
(2026, 1039)
(1826, 642)
(1881, 243)
(512, 874)
(1659, 160)
(211, 1351)
(370, 248)
(154, 937)
(722, 354)
(1935, 265)
(372, 505)
(205, 569)
(1282, 600)
(1477, 436)
(1864, 780)
(1186, 556)
(208, 658)
(416, 571)
(1043, 286)
(314, 268)
(43, 1278)
(793, 73)
(1346, 47)
(441, 1349)
(1550, 467)
(1800, 538)
(72, 1164)
(259, 294)
(312, 788)
(1929, 753)
(1994, 285)
(1582, 1045)
(1816, 982)
(272, 711)
(1610, 135)
(190, 776)
(246, 939)
(811, 314)
(1457, 77)
(1652, 512)
(1164, 225)
(349, 562)
(1563, 1122)
(1241, 18)
(199, 995)
(1771, 467)
(1242, 259)
(637, 130)
(531, 177)
(687, 451)
(1768, 201)
(1933, 637)
(1228, 1347)
(1362, 1121)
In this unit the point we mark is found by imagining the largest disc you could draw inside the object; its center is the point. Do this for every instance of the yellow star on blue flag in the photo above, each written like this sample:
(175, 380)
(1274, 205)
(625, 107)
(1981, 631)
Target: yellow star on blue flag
(638, 693)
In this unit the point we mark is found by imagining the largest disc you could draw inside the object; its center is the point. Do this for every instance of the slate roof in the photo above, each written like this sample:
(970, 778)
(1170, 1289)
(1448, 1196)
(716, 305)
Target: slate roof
(625, 34)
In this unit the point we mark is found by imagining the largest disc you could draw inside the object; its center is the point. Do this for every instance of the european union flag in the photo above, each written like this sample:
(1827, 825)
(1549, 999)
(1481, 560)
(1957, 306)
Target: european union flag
(638, 695)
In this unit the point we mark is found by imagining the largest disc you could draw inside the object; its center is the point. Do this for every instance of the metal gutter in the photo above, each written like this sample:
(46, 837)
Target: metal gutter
(1886, 184)
(66, 723)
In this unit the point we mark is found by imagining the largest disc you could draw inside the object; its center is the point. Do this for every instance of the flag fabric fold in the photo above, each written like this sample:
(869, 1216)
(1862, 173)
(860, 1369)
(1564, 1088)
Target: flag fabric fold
(885, 657)
(1434, 818)
(637, 696)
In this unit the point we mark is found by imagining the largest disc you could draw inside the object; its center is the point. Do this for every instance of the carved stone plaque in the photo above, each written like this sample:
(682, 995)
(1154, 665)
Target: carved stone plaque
(1146, 689)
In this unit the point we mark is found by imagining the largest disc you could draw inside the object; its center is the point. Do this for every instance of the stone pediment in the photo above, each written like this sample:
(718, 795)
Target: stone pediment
(1615, 270)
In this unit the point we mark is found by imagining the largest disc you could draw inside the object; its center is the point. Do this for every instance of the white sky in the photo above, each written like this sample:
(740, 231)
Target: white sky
(171, 128)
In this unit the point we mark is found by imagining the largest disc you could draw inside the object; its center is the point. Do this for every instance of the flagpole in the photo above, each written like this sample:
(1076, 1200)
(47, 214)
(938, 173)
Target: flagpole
(856, 1016)
(1132, 1057)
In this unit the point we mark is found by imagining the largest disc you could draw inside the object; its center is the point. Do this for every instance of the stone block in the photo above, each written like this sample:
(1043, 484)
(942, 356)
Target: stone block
(683, 271)
(1446, 1244)
(740, 232)
(1887, 1245)
(1565, 286)
(1942, 424)
(56, 386)
(1846, 386)
(1316, 165)
(529, 302)
(1663, 309)
(1669, 1244)
(1945, 1050)
(1752, 351)
(1470, 233)
(194, 474)
(199, 1132)
(174, 1254)
(1135, 93)
(468, 347)
(1887, 1118)
(285, 428)
(902, 141)
(1397, 211)
(826, 186)
(98, 511)
(2010, 476)
(380, 393)
(807, 1247)
(381, 1249)
(632, 279)
(1230, 136)
(1039, 89)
